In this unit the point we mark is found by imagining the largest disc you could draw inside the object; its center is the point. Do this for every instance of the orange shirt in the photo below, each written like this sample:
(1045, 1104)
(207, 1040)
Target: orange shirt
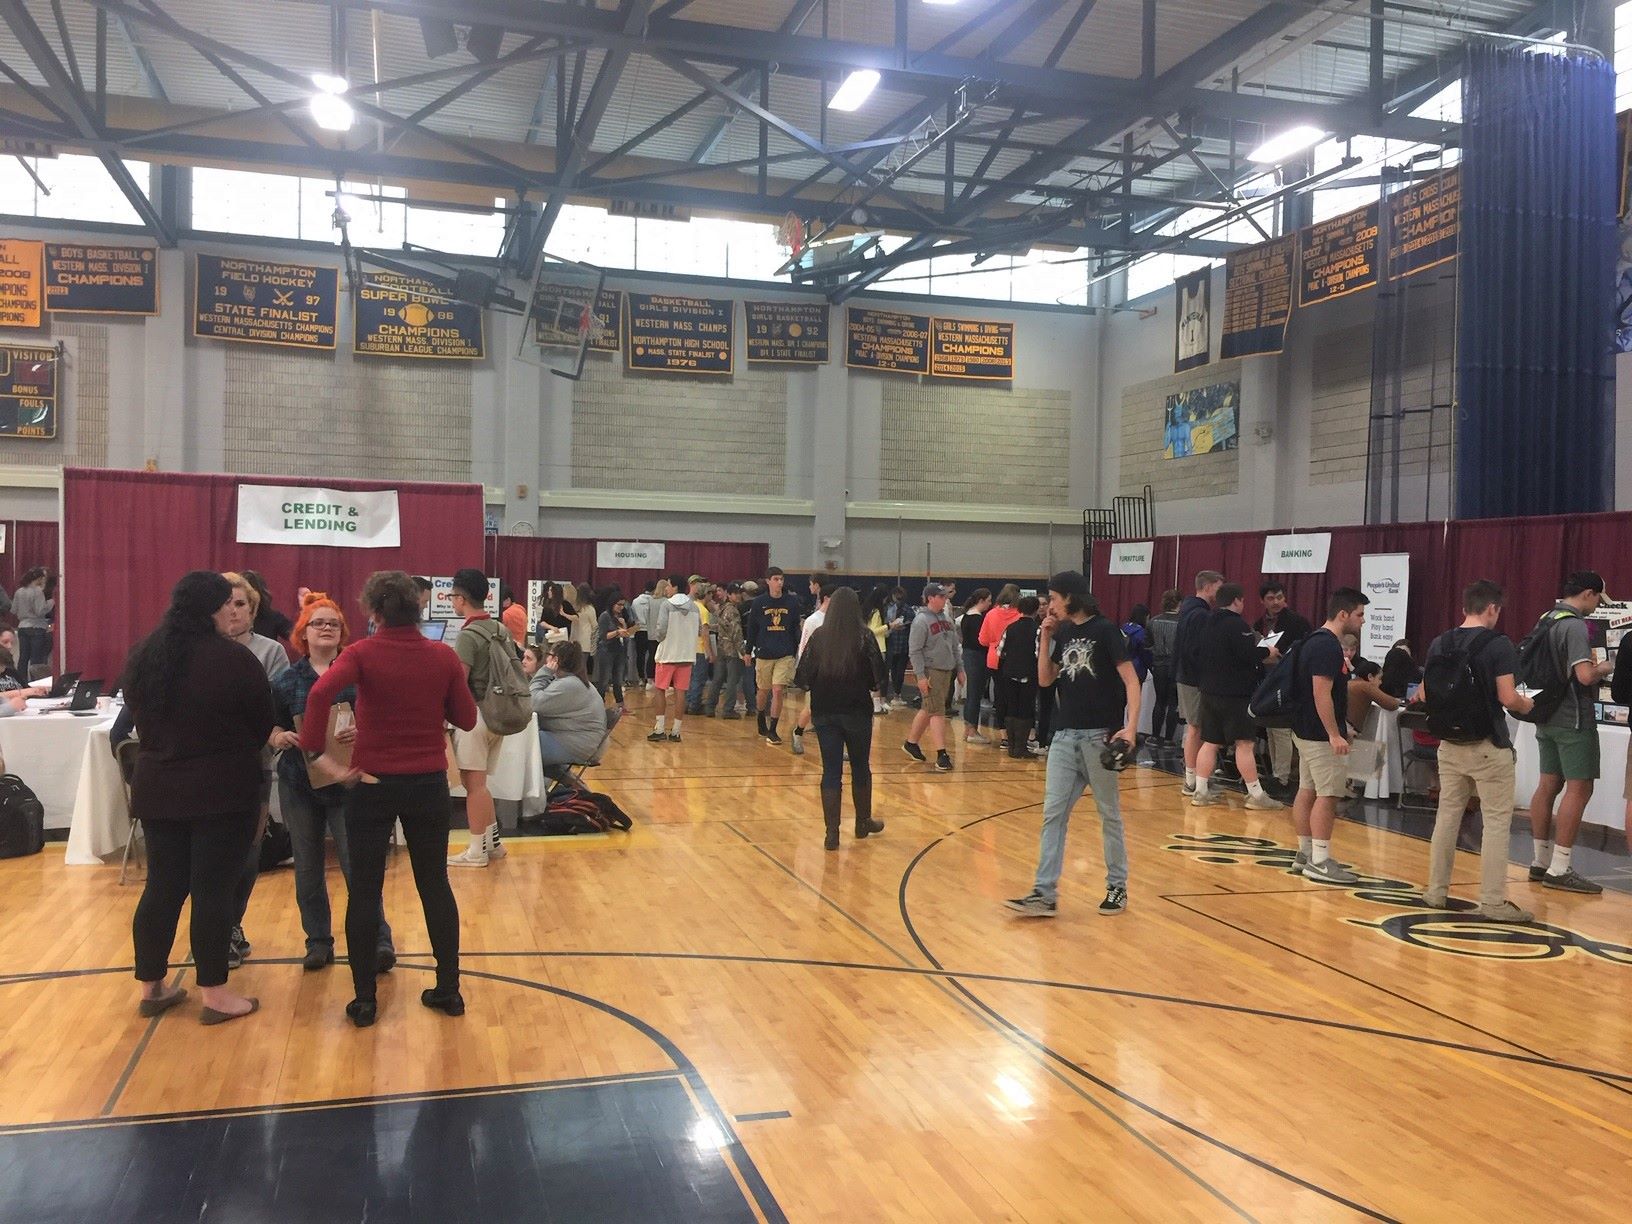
(515, 620)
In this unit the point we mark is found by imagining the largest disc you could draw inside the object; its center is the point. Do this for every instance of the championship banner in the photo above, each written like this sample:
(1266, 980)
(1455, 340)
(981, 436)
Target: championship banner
(550, 311)
(1258, 297)
(975, 349)
(1385, 579)
(1339, 256)
(679, 335)
(1424, 224)
(246, 300)
(28, 393)
(1297, 554)
(408, 316)
(886, 340)
(22, 292)
(84, 279)
(788, 332)
(324, 518)
(1131, 558)
(616, 554)
(1192, 321)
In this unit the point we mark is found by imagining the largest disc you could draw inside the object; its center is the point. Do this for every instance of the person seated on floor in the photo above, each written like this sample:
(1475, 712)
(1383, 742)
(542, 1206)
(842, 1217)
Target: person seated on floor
(1365, 685)
(572, 717)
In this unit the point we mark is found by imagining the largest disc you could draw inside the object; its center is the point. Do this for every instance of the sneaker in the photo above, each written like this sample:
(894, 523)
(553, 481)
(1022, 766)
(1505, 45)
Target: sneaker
(235, 958)
(1329, 871)
(1300, 860)
(1116, 900)
(1537, 874)
(913, 751)
(1505, 912)
(1437, 900)
(657, 737)
(943, 762)
(240, 941)
(1264, 803)
(1037, 750)
(674, 737)
(473, 856)
(976, 738)
(1188, 790)
(773, 739)
(1032, 905)
(1571, 882)
(798, 745)
(495, 848)
(1206, 798)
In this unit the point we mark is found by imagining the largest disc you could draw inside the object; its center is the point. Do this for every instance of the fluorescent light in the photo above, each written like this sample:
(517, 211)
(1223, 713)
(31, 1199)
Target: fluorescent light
(857, 86)
(329, 107)
(944, 3)
(1278, 149)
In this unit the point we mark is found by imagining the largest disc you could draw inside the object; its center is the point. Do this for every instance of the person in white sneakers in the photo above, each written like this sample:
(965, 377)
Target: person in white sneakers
(1320, 698)
(476, 751)
(676, 627)
(1231, 665)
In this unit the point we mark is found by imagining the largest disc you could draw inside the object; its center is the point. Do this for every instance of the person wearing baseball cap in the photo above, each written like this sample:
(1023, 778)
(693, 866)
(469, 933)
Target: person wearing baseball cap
(1083, 656)
(936, 657)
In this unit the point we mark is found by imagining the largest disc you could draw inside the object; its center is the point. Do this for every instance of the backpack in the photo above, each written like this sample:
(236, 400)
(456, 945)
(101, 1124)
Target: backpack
(22, 819)
(1539, 670)
(507, 706)
(1275, 699)
(1458, 706)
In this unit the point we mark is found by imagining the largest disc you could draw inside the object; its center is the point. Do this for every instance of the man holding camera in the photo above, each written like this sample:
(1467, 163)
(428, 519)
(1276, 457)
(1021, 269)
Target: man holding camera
(1084, 657)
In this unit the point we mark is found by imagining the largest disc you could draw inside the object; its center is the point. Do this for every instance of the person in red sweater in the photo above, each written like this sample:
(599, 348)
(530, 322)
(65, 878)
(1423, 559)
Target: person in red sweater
(407, 686)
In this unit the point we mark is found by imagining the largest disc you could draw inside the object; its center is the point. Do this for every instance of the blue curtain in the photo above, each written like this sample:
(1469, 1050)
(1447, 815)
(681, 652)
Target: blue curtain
(1536, 422)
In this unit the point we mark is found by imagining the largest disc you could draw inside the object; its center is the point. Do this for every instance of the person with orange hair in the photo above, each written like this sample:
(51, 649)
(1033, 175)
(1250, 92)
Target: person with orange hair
(320, 633)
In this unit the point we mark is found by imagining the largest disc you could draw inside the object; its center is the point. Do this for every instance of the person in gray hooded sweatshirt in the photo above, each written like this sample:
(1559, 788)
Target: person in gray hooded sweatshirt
(936, 656)
(678, 624)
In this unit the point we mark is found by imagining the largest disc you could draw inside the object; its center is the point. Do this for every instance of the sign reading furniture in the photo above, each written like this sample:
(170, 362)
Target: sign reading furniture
(325, 518)
(1131, 558)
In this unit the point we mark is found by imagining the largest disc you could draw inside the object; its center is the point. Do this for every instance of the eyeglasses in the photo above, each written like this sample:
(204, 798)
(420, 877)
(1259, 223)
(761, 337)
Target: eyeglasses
(323, 624)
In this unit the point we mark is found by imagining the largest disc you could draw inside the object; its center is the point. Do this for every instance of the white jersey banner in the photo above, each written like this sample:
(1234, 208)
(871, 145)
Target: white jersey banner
(326, 518)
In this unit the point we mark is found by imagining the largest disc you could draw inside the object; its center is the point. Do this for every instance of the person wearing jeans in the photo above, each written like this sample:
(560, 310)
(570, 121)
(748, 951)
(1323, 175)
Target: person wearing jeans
(1083, 657)
(407, 687)
(974, 663)
(841, 669)
(33, 607)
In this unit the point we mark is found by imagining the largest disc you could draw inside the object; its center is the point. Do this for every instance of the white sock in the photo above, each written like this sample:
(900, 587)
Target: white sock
(675, 730)
(1190, 778)
(490, 839)
(1561, 860)
(1201, 787)
(659, 726)
(1544, 854)
(1306, 845)
(1319, 851)
(1256, 789)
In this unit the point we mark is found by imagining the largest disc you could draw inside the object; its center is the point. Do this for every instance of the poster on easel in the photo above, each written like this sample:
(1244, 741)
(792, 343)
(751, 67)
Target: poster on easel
(1606, 630)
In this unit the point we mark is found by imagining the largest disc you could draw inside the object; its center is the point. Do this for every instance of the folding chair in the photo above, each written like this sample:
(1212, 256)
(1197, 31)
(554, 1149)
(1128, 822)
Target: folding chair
(125, 754)
(1418, 761)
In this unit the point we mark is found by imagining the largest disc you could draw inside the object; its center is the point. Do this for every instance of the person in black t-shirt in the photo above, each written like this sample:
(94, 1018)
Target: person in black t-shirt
(1320, 701)
(1083, 657)
(1231, 665)
(1293, 628)
(1483, 766)
(974, 664)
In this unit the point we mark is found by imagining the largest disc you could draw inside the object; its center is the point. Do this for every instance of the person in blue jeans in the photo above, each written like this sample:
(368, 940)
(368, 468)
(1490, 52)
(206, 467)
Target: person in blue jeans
(1083, 657)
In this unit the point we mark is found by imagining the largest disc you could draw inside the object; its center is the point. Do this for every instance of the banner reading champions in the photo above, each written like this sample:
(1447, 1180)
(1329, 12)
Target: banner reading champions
(326, 518)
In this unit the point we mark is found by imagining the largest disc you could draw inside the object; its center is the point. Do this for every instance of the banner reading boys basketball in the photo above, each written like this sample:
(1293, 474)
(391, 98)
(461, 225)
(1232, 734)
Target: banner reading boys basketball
(81, 278)
(325, 518)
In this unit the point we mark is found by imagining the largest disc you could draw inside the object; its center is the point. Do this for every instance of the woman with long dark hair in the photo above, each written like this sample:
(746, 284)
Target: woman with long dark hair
(407, 685)
(841, 669)
(203, 712)
(32, 606)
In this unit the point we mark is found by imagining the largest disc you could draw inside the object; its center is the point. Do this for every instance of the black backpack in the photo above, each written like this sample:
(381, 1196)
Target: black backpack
(1275, 699)
(1458, 706)
(22, 819)
(1539, 669)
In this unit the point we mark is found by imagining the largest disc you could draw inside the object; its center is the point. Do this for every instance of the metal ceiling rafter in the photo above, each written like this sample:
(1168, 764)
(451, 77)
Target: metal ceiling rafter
(80, 113)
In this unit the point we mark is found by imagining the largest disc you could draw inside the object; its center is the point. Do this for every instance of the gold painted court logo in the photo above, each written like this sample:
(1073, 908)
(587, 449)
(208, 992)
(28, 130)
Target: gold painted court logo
(1455, 928)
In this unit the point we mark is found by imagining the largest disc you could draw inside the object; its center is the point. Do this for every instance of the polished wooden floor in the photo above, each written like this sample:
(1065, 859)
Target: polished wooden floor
(886, 1041)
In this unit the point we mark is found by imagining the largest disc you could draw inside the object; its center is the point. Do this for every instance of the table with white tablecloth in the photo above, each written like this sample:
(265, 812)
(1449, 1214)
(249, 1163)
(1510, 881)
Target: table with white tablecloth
(1608, 803)
(101, 823)
(46, 751)
(520, 775)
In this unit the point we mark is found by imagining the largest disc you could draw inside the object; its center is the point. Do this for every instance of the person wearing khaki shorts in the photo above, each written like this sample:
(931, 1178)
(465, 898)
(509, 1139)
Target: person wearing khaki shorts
(1320, 697)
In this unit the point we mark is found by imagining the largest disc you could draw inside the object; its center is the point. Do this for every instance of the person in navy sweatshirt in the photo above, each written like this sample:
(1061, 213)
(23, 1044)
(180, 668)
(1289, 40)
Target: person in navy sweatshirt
(771, 631)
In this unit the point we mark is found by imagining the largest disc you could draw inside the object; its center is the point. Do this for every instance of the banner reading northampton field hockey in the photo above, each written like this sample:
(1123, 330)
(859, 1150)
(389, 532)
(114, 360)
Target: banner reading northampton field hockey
(1424, 224)
(326, 518)
(1258, 297)
(292, 305)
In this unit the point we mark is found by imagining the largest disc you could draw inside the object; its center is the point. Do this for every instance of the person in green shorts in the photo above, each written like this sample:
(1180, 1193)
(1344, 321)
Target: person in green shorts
(1567, 742)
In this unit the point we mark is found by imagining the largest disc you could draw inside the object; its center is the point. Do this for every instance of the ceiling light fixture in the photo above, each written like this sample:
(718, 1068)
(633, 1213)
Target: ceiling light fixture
(855, 90)
(1288, 144)
(329, 107)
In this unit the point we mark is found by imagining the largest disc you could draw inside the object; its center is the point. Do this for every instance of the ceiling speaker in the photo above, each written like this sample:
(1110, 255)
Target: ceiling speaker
(440, 37)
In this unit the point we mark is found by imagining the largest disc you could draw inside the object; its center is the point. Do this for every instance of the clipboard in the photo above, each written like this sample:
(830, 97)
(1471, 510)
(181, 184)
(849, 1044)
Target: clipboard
(330, 766)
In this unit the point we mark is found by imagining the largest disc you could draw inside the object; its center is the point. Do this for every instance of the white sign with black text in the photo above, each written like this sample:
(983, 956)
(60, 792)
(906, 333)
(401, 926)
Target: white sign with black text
(1297, 554)
(442, 598)
(1131, 558)
(325, 518)
(625, 554)
(1385, 579)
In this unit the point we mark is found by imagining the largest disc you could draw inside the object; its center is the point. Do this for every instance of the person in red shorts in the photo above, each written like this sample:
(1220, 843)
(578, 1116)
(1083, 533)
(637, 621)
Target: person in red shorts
(677, 626)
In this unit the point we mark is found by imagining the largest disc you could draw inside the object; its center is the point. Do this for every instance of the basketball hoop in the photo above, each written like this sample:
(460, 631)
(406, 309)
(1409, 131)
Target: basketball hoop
(790, 235)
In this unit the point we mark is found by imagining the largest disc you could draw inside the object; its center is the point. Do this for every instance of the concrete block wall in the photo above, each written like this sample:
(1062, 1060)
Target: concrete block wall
(1144, 416)
(82, 399)
(289, 413)
(680, 433)
(973, 442)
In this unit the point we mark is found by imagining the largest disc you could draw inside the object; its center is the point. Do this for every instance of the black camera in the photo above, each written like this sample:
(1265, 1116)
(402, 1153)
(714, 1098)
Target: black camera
(1117, 754)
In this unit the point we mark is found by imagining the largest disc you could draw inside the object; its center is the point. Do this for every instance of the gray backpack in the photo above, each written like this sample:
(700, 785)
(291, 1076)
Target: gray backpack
(507, 705)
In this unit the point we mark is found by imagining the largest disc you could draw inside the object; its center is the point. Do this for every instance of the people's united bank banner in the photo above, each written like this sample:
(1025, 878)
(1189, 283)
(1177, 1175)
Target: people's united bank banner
(326, 518)
(623, 554)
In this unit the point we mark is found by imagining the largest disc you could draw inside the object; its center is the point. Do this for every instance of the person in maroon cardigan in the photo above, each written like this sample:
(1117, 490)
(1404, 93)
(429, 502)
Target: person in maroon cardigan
(406, 687)
(203, 712)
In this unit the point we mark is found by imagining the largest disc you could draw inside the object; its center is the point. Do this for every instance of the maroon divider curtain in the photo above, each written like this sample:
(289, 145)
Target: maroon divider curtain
(130, 535)
(27, 544)
(520, 559)
(1117, 593)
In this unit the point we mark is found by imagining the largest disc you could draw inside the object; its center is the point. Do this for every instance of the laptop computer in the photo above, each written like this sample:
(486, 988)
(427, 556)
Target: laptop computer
(436, 631)
(85, 694)
(62, 685)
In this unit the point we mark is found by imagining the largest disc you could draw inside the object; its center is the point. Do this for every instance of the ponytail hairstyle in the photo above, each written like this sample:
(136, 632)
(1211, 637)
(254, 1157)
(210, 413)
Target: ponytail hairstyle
(569, 660)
